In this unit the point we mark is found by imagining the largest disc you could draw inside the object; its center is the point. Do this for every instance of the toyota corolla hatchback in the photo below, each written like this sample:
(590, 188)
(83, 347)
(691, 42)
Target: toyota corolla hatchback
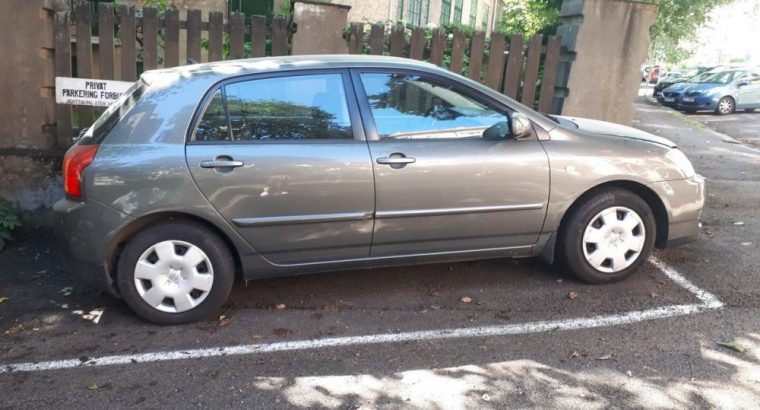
(283, 166)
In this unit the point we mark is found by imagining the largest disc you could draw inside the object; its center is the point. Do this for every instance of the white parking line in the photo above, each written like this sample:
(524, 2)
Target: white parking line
(707, 299)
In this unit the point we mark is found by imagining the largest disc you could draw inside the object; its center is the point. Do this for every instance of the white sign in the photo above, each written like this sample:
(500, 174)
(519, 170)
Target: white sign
(87, 91)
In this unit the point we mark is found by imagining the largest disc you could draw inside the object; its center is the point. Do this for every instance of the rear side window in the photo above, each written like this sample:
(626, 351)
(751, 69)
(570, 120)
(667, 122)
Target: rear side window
(111, 116)
(305, 107)
(213, 126)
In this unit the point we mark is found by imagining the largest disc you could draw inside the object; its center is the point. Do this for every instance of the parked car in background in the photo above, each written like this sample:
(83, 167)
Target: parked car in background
(720, 91)
(654, 74)
(291, 165)
(672, 78)
(669, 77)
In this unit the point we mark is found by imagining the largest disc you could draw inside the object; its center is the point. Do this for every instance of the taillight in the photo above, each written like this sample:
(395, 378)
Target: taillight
(77, 158)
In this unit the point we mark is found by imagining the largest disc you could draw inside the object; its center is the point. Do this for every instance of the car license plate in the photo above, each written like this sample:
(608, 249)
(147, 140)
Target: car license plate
(688, 99)
(669, 99)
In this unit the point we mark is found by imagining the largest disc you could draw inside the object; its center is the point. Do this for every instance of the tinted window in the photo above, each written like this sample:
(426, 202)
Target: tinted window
(289, 108)
(213, 125)
(114, 113)
(412, 107)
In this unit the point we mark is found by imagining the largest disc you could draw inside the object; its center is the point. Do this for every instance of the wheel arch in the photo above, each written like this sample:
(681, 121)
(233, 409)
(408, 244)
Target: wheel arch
(641, 190)
(130, 230)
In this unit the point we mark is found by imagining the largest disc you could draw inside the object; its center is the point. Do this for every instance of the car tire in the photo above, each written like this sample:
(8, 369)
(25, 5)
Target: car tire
(175, 272)
(726, 105)
(599, 247)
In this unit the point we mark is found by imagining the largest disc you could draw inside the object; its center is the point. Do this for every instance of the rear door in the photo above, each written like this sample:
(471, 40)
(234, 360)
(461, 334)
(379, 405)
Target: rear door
(448, 178)
(283, 159)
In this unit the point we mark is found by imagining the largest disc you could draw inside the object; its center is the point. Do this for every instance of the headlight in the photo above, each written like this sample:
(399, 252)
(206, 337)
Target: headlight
(681, 162)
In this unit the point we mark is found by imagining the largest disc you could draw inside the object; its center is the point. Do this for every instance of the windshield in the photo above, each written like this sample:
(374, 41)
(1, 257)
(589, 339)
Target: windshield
(721, 77)
(113, 114)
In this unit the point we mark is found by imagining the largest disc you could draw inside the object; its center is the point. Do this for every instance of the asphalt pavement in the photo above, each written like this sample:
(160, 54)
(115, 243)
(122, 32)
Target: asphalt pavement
(488, 334)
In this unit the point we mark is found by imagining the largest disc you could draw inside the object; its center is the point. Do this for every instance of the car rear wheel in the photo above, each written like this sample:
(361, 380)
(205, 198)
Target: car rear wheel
(175, 272)
(726, 105)
(607, 237)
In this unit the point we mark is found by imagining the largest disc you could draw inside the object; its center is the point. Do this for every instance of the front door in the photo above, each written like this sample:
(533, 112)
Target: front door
(448, 177)
(282, 161)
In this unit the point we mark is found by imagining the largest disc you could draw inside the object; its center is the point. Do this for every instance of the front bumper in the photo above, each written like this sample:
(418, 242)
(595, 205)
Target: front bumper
(684, 202)
(699, 103)
(85, 230)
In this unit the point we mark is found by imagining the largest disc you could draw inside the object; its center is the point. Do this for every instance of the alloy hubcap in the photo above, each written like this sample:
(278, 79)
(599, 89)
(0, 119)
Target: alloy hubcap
(613, 240)
(725, 106)
(173, 276)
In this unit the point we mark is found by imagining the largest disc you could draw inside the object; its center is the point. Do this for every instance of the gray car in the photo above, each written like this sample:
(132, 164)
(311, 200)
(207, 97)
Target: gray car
(291, 165)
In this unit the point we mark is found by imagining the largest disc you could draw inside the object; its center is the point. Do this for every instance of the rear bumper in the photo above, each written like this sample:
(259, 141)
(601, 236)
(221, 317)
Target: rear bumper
(84, 232)
(684, 201)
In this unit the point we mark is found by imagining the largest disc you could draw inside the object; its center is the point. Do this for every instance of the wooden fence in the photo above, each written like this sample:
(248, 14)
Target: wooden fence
(133, 44)
(127, 44)
(524, 73)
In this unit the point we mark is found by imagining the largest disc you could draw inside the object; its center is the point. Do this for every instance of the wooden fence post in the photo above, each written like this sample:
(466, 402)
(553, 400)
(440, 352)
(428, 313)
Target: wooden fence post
(376, 39)
(237, 35)
(437, 45)
(476, 55)
(84, 54)
(171, 49)
(495, 72)
(397, 40)
(546, 95)
(215, 35)
(194, 35)
(531, 70)
(514, 66)
(105, 40)
(258, 36)
(128, 40)
(356, 39)
(150, 38)
(279, 36)
(458, 44)
(61, 30)
(417, 44)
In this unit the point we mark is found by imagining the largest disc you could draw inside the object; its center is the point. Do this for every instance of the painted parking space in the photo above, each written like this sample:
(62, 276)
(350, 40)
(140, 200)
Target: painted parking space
(704, 301)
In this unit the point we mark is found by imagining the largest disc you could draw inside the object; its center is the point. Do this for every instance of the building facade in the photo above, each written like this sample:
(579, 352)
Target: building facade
(479, 14)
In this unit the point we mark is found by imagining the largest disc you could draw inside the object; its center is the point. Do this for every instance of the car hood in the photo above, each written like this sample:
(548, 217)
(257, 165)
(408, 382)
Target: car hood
(678, 87)
(615, 130)
(703, 87)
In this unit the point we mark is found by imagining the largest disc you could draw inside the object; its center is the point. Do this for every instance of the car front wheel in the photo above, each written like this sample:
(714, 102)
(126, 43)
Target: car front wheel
(726, 105)
(175, 272)
(607, 237)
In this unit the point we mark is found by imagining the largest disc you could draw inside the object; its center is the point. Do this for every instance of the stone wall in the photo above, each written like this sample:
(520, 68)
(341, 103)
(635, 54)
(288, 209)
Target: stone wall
(29, 157)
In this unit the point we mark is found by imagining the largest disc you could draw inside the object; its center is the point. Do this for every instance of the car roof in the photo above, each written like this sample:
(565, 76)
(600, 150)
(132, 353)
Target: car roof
(230, 68)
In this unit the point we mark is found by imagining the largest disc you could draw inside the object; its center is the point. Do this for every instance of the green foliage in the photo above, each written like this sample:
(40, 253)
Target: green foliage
(531, 16)
(678, 20)
(284, 9)
(8, 222)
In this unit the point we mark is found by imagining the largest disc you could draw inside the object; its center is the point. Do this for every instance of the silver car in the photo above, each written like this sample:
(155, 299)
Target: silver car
(283, 166)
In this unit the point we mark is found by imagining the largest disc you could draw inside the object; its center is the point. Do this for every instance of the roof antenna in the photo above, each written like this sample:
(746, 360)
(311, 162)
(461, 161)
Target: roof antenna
(191, 61)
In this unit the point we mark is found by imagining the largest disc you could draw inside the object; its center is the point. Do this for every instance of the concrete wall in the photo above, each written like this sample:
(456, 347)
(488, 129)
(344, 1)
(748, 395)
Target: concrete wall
(29, 159)
(604, 44)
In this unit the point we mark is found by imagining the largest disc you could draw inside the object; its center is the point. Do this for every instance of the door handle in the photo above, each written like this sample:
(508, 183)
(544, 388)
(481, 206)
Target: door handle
(221, 163)
(399, 160)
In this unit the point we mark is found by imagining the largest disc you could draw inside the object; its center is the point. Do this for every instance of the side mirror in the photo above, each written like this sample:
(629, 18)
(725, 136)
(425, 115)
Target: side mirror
(521, 126)
(742, 83)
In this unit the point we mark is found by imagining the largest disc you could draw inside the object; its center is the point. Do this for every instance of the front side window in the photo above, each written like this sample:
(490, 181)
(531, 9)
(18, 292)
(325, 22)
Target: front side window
(305, 107)
(407, 106)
